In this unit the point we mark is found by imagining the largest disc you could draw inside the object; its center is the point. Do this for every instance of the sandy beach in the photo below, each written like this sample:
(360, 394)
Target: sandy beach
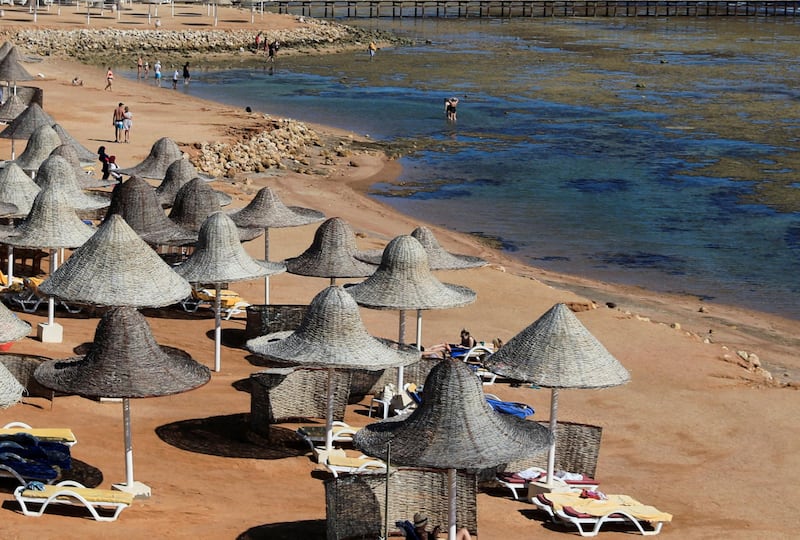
(698, 432)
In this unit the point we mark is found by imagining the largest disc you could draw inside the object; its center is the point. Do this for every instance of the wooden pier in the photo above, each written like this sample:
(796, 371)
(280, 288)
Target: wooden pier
(532, 8)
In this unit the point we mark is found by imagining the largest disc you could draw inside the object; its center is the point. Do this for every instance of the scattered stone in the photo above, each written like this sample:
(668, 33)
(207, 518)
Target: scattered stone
(611, 305)
(703, 309)
(675, 326)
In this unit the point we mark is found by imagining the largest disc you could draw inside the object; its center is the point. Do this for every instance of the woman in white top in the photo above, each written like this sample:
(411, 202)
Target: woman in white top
(127, 122)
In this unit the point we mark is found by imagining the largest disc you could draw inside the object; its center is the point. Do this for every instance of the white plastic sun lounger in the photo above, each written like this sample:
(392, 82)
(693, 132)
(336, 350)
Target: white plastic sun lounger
(73, 493)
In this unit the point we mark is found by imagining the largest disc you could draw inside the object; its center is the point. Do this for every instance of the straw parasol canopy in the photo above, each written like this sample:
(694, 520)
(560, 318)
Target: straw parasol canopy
(135, 200)
(51, 224)
(453, 428)
(56, 172)
(17, 188)
(26, 123)
(557, 351)
(220, 258)
(115, 267)
(163, 153)
(85, 155)
(403, 281)
(42, 141)
(6, 48)
(84, 180)
(179, 173)
(438, 257)
(333, 254)
(124, 362)
(266, 211)
(10, 389)
(13, 107)
(8, 209)
(333, 336)
(12, 328)
(11, 69)
(196, 201)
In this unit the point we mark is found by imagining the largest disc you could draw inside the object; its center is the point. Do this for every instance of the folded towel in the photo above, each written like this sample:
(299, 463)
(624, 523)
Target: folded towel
(612, 504)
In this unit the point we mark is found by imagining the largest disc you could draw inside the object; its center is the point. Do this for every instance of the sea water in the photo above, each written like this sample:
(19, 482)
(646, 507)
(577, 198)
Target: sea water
(611, 190)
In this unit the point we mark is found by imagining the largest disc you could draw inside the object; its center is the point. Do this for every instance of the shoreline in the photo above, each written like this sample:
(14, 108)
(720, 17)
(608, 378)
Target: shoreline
(675, 437)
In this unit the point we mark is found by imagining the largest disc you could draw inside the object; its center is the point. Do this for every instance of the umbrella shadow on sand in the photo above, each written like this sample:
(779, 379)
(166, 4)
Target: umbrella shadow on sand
(310, 529)
(228, 436)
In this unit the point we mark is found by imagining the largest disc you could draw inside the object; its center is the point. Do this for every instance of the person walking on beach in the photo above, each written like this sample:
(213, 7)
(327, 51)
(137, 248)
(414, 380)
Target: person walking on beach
(175, 76)
(372, 48)
(117, 119)
(139, 67)
(127, 123)
(272, 50)
(109, 79)
(450, 105)
(157, 73)
(102, 157)
(146, 68)
(186, 75)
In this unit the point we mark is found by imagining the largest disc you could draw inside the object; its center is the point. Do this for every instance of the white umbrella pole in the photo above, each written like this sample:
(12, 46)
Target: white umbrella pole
(51, 302)
(266, 258)
(401, 336)
(126, 420)
(10, 264)
(419, 329)
(551, 454)
(451, 491)
(329, 415)
(217, 327)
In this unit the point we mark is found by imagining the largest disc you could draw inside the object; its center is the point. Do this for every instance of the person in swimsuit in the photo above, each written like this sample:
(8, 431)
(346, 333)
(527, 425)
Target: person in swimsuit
(450, 105)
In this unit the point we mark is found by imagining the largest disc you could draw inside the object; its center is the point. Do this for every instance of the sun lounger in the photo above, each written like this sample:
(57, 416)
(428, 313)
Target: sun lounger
(590, 514)
(520, 410)
(316, 434)
(230, 301)
(338, 464)
(73, 493)
(62, 435)
(520, 480)
(25, 458)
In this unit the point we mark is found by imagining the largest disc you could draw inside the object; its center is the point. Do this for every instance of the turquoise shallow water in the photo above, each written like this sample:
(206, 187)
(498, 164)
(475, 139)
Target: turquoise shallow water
(610, 191)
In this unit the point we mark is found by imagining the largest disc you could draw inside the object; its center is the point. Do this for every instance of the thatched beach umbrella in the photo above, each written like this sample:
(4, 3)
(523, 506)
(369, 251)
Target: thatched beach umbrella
(453, 428)
(163, 153)
(333, 254)
(220, 258)
(41, 143)
(557, 351)
(52, 224)
(17, 188)
(196, 201)
(124, 362)
(85, 156)
(25, 124)
(85, 181)
(115, 267)
(12, 328)
(267, 211)
(56, 172)
(403, 281)
(12, 107)
(179, 173)
(438, 257)
(8, 209)
(135, 200)
(11, 69)
(332, 336)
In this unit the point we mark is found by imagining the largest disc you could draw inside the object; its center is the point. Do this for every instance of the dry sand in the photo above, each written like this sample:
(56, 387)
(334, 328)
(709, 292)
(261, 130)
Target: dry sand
(693, 433)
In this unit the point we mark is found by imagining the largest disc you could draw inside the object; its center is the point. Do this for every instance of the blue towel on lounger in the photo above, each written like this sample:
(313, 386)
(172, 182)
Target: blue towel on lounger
(509, 407)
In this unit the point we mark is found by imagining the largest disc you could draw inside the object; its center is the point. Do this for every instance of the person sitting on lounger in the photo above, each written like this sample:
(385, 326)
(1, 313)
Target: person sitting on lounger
(421, 524)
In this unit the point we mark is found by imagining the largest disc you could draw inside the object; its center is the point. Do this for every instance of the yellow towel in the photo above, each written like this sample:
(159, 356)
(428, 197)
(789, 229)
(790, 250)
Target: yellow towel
(64, 435)
(614, 503)
(90, 494)
(344, 461)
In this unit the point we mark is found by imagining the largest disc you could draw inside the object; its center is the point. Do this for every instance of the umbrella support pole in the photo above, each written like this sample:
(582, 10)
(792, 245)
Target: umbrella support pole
(551, 453)
(51, 332)
(266, 259)
(137, 489)
(10, 272)
(217, 328)
(401, 336)
(452, 479)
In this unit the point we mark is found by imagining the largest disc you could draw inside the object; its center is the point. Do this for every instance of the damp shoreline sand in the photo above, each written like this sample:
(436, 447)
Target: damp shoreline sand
(692, 433)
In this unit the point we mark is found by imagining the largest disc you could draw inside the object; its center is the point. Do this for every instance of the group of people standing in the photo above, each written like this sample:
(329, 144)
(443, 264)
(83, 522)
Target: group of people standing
(143, 70)
(270, 46)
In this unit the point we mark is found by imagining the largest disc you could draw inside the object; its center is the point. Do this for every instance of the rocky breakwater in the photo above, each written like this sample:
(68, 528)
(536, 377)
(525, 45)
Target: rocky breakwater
(94, 45)
(280, 144)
